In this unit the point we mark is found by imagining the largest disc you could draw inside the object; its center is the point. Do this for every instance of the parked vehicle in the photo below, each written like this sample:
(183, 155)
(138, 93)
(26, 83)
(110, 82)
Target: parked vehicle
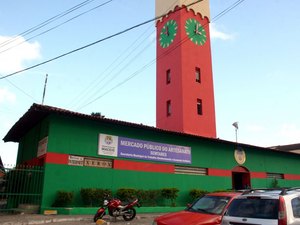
(208, 209)
(115, 208)
(265, 206)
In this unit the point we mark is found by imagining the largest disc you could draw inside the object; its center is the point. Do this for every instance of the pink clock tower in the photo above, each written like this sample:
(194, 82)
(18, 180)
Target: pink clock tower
(184, 80)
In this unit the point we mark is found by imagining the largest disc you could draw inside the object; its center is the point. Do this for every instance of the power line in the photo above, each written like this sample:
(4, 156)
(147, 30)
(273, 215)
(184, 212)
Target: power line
(50, 29)
(93, 43)
(46, 22)
(163, 55)
(108, 72)
(225, 11)
(21, 90)
(142, 68)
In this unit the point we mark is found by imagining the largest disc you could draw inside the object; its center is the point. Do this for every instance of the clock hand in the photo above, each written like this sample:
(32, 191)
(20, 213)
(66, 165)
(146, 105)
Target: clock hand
(167, 31)
(196, 31)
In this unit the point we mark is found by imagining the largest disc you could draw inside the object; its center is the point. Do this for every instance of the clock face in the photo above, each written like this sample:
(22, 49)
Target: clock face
(195, 31)
(168, 33)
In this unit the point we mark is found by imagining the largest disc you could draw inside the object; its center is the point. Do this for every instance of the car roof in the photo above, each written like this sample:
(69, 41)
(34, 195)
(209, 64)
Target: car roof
(225, 194)
(272, 192)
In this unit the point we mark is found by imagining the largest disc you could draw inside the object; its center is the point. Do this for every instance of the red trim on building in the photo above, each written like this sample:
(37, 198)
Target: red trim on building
(261, 175)
(291, 177)
(56, 158)
(218, 172)
(38, 161)
(240, 169)
(143, 166)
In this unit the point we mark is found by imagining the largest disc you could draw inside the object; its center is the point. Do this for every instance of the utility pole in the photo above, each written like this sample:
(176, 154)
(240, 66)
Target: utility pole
(45, 85)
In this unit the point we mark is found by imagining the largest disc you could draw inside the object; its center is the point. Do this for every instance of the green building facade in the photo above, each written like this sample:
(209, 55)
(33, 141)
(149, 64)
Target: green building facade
(79, 151)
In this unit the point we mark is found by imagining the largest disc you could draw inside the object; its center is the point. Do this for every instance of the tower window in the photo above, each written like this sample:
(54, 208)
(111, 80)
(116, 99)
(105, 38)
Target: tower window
(199, 106)
(198, 74)
(169, 108)
(168, 76)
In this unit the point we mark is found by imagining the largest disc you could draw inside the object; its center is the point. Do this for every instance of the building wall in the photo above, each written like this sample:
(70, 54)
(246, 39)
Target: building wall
(79, 137)
(28, 145)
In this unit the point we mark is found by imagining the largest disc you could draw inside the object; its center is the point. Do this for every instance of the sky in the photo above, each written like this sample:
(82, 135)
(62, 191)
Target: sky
(255, 56)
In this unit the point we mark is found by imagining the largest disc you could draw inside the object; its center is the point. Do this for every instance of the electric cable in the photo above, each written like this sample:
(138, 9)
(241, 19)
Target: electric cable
(46, 22)
(93, 43)
(235, 4)
(163, 55)
(52, 19)
(110, 69)
(171, 49)
(138, 71)
(50, 29)
(21, 90)
(94, 83)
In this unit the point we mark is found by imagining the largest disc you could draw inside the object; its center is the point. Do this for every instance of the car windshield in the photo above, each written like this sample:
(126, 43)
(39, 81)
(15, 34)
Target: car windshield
(210, 204)
(254, 208)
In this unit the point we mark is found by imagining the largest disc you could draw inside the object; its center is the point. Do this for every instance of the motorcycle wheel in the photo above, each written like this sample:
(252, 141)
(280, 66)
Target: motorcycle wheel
(98, 216)
(129, 215)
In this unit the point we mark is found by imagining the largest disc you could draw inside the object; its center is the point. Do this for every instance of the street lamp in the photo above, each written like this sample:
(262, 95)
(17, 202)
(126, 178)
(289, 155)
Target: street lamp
(236, 125)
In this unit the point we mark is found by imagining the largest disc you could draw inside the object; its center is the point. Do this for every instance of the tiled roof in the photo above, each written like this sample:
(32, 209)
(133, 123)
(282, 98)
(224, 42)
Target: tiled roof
(37, 113)
(292, 147)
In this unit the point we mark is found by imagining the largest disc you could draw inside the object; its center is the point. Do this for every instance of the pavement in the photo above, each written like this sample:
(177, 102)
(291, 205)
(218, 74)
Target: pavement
(26, 219)
(33, 219)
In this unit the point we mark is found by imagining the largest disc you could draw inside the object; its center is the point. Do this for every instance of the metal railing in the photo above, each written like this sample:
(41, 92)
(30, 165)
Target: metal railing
(20, 185)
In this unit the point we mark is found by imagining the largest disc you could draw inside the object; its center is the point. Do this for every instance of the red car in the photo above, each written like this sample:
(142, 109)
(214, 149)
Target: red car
(206, 210)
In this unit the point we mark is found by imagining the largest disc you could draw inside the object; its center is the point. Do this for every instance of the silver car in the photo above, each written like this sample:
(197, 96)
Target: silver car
(266, 207)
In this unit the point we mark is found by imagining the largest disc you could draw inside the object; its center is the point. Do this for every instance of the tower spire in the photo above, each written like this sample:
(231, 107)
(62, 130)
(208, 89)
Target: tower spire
(164, 6)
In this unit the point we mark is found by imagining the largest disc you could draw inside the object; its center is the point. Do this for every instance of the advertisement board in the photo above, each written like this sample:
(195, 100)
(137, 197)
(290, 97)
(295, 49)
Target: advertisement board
(122, 147)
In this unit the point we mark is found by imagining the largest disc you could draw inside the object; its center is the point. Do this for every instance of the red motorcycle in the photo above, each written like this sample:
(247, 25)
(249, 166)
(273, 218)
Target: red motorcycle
(115, 209)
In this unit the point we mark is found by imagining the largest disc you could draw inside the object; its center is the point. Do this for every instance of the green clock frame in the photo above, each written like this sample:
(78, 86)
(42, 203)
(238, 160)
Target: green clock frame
(195, 31)
(168, 33)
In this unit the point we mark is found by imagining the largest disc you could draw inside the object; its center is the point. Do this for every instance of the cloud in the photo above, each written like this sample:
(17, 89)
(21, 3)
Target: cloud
(14, 54)
(7, 96)
(217, 34)
(255, 128)
(290, 133)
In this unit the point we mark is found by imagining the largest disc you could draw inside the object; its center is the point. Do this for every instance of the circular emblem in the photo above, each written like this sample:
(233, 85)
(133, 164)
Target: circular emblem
(240, 156)
(168, 33)
(195, 31)
(108, 140)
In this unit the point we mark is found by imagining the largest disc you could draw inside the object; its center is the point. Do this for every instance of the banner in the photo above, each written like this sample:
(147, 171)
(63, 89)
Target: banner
(110, 145)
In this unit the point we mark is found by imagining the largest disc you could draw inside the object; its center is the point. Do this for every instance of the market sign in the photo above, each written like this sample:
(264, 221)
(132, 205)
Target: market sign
(75, 160)
(100, 163)
(89, 161)
(42, 147)
(110, 145)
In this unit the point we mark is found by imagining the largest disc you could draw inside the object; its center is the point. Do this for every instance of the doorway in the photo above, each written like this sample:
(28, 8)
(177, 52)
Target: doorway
(240, 178)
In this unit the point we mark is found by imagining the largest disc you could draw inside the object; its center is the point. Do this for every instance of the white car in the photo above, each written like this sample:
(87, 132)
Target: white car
(266, 207)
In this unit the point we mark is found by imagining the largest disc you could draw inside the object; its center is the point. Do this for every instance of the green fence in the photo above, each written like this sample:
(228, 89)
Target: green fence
(21, 186)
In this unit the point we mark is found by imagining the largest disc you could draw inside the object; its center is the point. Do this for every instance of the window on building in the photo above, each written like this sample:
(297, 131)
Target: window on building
(199, 107)
(275, 175)
(198, 74)
(169, 108)
(168, 76)
(190, 170)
